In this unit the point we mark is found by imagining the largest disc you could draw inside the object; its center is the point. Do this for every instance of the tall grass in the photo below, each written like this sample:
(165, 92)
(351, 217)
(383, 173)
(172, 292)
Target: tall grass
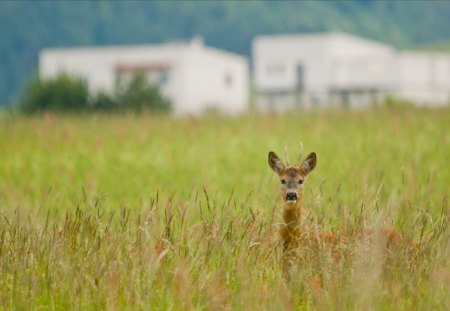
(143, 212)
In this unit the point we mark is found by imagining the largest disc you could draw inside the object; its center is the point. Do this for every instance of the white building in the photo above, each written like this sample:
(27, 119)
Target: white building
(194, 77)
(337, 68)
(423, 77)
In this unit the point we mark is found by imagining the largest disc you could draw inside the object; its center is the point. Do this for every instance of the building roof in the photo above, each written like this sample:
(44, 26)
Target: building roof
(325, 37)
(172, 47)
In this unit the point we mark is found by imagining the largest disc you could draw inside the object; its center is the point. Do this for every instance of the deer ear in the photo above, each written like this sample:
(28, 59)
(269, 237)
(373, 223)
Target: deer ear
(309, 163)
(275, 163)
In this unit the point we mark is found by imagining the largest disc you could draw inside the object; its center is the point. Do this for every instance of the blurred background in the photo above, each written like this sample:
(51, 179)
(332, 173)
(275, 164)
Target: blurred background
(226, 55)
(125, 183)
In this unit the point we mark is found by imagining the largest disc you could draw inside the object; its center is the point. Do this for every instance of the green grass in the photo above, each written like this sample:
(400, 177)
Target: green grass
(143, 212)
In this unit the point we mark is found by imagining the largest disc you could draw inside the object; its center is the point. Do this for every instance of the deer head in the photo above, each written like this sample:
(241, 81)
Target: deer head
(292, 178)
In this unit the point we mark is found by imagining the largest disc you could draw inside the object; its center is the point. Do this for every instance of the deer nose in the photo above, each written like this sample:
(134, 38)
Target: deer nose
(291, 196)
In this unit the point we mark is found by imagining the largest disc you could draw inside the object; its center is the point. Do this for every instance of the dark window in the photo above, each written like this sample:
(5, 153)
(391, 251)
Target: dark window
(228, 80)
(300, 83)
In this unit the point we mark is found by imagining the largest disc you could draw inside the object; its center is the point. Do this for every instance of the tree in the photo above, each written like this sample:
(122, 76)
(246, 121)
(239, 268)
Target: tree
(63, 93)
(139, 94)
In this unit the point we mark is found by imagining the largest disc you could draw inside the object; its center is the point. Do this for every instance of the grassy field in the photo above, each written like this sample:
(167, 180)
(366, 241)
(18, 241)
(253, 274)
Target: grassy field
(154, 213)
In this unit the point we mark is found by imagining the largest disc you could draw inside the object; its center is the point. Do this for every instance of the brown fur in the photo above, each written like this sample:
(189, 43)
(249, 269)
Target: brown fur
(293, 179)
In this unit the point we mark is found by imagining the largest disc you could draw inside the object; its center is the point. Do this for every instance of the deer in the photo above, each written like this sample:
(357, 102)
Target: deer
(292, 232)
(292, 178)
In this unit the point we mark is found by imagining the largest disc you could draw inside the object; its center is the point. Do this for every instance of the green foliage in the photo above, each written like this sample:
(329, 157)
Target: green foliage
(64, 93)
(394, 102)
(139, 94)
(439, 46)
(68, 94)
(104, 102)
(230, 25)
(153, 213)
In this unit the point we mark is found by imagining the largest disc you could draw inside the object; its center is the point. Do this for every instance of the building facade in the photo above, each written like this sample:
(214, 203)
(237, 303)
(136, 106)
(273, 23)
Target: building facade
(334, 68)
(194, 77)
(423, 78)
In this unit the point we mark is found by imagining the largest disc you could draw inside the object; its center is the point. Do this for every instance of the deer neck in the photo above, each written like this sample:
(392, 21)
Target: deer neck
(292, 214)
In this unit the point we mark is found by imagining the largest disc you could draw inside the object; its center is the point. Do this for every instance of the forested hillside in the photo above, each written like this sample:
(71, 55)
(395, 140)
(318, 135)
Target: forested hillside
(27, 27)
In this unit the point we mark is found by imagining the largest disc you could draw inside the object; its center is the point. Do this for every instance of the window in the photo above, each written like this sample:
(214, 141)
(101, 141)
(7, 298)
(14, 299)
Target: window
(163, 77)
(300, 83)
(228, 80)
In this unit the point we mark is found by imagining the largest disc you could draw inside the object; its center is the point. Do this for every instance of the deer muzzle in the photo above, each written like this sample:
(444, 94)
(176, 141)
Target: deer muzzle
(291, 197)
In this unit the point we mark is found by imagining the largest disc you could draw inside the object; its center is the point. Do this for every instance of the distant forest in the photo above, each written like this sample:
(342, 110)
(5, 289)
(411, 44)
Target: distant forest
(28, 27)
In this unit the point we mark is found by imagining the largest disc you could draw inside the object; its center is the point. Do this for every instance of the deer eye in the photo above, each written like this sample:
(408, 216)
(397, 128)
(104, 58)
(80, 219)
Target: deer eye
(300, 181)
(283, 181)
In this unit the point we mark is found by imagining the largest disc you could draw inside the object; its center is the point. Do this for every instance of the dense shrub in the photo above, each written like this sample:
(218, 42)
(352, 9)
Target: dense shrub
(66, 93)
(139, 94)
(63, 93)
(396, 102)
(104, 102)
